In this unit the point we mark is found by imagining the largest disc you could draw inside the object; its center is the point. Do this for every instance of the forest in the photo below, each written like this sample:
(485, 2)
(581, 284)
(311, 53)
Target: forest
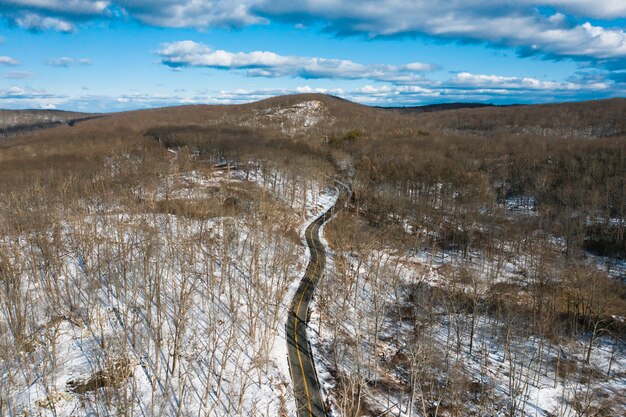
(477, 265)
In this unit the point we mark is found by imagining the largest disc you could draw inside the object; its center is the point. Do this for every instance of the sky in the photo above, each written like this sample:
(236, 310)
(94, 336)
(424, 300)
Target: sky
(114, 55)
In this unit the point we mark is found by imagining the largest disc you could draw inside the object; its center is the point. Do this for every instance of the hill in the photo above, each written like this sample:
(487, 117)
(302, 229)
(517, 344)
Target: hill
(589, 119)
(13, 122)
(294, 115)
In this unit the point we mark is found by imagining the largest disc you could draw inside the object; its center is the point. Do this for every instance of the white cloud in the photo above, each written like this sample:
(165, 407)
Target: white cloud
(67, 62)
(498, 22)
(18, 75)
(193, 13)
(467, 80)
(7, 60)
(464, 86)
(61, 6)
(21, 93)
(584, 40)
(54, 15)
(604, 9)
(404, 80)
(567, 32)
(62, 15)
(270, 64)
(27, 97)
(37, 22)
(418, 66)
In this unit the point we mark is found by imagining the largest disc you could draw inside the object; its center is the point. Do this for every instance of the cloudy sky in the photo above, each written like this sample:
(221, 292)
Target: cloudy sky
(109, 55)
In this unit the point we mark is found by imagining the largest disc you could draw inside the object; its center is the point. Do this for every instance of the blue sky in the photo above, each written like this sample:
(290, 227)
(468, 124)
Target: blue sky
(111, 55)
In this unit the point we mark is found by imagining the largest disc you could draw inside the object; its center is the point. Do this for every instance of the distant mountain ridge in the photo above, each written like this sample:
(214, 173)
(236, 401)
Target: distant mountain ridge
(324, 117)
(438, 107)
(14, 122)
(585, 119)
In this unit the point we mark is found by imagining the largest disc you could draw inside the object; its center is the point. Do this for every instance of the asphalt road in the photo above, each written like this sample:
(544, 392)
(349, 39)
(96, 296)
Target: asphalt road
(306, 386)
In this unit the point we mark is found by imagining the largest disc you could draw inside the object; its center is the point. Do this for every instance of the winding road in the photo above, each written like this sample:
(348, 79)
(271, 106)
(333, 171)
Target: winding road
(306, 386)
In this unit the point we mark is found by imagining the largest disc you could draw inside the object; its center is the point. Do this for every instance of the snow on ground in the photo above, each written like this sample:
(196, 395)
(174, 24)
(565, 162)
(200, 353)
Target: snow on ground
(521, 204)
(614, 267)
(176, 316)
(299, 117)
(387, 339)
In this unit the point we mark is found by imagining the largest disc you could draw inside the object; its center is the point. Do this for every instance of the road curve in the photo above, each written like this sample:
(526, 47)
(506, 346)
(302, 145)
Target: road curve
(306, 386)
